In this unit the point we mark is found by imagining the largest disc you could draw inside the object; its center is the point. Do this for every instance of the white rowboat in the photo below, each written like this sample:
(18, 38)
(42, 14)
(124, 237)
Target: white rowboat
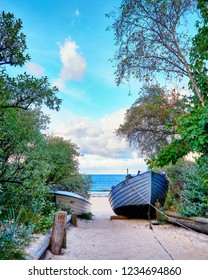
(77, 203)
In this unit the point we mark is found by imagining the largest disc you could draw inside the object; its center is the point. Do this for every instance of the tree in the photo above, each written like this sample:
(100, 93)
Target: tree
(62, 156)
(192, 127)
(150, 40)
(12, 41)
(23, 164)
(25, 91)
(149, 123)
(199, 53)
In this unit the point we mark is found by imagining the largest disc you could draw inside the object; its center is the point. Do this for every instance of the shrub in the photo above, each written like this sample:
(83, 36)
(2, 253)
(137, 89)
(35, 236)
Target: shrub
(194, 197)
(86, 216)
(175, 176)
(14, 237)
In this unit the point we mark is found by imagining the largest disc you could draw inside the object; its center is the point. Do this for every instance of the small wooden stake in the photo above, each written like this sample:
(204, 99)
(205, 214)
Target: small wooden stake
(74, 220)
(58, 237)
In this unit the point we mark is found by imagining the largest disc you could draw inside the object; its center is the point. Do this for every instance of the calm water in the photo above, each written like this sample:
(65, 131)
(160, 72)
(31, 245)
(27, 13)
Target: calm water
(102, 183)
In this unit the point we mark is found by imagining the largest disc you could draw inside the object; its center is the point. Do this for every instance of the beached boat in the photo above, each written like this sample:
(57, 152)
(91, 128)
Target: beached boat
(136, 196)
(76, 202)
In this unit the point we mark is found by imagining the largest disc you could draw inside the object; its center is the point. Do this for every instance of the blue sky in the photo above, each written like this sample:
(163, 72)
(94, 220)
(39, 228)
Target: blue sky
(68, 42)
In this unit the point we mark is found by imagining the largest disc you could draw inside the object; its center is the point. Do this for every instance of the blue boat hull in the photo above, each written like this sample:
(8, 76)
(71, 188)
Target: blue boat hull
(136, 196)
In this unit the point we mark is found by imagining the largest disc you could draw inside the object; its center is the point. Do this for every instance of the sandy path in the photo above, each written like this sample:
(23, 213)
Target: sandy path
(105, 239)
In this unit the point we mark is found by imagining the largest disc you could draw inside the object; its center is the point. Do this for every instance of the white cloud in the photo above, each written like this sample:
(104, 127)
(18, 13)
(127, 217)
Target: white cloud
(94, 137)
(103, 152)
(96, 164)
(73, 64)
(34, 69)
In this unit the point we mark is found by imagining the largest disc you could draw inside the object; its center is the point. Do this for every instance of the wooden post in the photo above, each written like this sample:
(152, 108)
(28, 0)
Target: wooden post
(74, 220)
(58, 237)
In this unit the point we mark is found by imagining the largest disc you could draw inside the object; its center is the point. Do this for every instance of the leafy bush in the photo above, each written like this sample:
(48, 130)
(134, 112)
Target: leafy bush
(77, 183)
(171, 202)
(86, 216)
(175, 176)
(14, 237)
(44, 222)
(194, 197)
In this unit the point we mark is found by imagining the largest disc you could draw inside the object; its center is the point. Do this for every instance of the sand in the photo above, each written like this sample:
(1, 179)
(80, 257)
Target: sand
(129, 239)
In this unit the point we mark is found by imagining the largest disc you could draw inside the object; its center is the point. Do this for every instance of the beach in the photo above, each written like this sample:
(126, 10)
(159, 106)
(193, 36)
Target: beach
(103, 238)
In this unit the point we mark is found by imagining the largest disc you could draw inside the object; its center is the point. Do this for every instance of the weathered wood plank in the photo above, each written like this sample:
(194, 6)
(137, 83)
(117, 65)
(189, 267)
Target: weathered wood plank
(38, 247)
(195, 219)
(119, 217)
(199, 224)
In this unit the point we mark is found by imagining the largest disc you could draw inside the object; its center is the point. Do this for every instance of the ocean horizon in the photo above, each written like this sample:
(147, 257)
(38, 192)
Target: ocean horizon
(102, 183)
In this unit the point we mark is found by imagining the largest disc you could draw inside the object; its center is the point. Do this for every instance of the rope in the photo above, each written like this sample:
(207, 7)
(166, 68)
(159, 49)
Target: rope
(190, 229)
(151, 225)
(169, 217)
(161, 244)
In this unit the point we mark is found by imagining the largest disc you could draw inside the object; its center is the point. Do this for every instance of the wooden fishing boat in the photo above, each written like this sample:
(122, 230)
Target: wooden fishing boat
(136, 196)
(77, 203)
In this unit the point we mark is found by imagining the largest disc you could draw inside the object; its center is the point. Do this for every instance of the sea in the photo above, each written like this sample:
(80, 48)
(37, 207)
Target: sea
(102, 183)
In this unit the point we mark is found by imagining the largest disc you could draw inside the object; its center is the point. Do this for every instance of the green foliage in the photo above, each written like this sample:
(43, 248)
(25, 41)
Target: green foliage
(64, 175)
(23, 162)
(194, 197)
(14, 237)
(175, 176)
(77, 183)
(149, 123)
(43, 222)
(150, 39)
(23, 166)
(30, 163)
(62, 156)
(172, 201)
(159, 213)
(193, 130)
(25, 91)
(192, 127)
(188, 187)
(199, 56)
(12, 41)
(86, 216)
(169, 154)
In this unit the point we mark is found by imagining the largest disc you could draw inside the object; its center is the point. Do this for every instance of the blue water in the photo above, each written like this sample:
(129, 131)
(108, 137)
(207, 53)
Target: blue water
(102, 183)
